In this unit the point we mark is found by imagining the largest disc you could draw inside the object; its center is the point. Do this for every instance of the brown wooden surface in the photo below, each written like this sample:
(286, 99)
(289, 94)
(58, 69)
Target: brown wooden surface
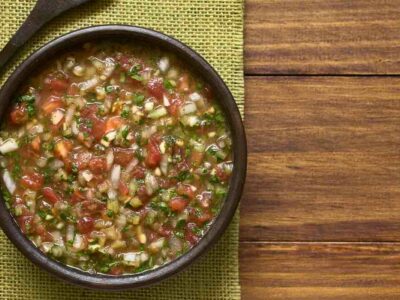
(320, 215)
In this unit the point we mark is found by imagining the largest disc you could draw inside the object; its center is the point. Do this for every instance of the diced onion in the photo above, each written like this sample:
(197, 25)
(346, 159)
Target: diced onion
(188, 108)
(56, 164)
(8, 145)
(133, 163)
(195, 96)
(9, 182)
(74, 127)
(164, 164)
(157, 113)
(41, 162)
(87, 175)
(57, 116)
(110, 158)
(70, 232)
(163, 64)
(89, 84)
(69, 115)
(166, 101)
(78, 242)
(115, 175)
(151, 183)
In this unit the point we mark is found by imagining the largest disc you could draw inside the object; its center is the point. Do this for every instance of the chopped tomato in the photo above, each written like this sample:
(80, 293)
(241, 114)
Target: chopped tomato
(165, 231)
(19, 115)
(174, 106)
(138, 172)
(82, 159)
(98, 165)
(185, 190)
(117, 270)
(113, 123)
(36, 143)
(77, 197)
(32, 180)
(153, 157)
(62, 149)
(25, 223)
(184, 83)
(59, 85)
(85, 224)
(196, 158)
(92, 207)
(123, 156)
(190, 236)
(178, 204)
(73, 89)
(51, 104)
(142, 193)
(155, 87)
(123, 188)
(221, 174)
(50, 195)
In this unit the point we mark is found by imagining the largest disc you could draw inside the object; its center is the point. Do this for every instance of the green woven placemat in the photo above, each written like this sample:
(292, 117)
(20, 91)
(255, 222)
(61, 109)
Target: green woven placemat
(212, 27)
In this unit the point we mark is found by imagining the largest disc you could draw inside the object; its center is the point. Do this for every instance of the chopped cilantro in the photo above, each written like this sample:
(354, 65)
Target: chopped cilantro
(168, 85)
(138, 99)
(134, 73)
(125, 113)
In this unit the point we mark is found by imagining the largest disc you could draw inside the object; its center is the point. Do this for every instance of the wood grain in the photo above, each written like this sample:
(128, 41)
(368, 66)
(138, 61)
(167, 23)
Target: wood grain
(322, 37)
(320, 271)
(324, 159)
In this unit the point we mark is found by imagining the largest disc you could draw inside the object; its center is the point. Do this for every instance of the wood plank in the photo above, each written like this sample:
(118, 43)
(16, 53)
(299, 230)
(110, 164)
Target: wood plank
(320, 271)
(324, 159)
(322, 37)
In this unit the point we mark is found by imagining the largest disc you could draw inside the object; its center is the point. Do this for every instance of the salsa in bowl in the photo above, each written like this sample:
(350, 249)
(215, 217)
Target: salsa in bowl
(118, 157)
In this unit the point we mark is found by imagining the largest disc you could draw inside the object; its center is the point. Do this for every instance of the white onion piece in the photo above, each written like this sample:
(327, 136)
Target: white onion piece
(74, 128)
(70, 232)
(36, 129)
(115, 175)
(87, 175)
(9, 182)
(69, 115)
(78, 242)
(175, 244)
(109, 68)
(133, 163)
(89, 84)
(195, 96)
(112, 194)
(166, 101)
(46, 246)
(163, 64)
(8, 145)
(41, 162)
(110, 158)
(188, 108)
(151, 183)
(56, 164)
(164, 164)
(57, 116)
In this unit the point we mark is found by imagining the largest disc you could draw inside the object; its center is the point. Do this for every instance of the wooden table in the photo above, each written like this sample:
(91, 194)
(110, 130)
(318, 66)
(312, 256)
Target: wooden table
(320, 216)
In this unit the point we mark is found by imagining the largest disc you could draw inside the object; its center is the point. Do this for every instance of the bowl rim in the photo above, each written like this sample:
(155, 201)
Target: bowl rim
(226, 101)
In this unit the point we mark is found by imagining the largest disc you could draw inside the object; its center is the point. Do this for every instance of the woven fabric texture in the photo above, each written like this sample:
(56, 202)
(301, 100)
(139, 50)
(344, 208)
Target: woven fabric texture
(214, 28)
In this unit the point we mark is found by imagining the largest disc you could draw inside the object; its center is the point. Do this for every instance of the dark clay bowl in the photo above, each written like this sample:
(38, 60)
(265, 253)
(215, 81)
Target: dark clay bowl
(200, 66)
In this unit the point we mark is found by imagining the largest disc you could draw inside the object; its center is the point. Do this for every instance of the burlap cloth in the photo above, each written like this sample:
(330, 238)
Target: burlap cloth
(212, 27)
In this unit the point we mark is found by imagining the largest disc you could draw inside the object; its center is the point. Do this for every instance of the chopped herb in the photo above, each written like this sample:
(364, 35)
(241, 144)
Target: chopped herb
(29, 101)
(134, 73)
(125, 113)
(168, 85)
(109, 89)
(138, 99)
